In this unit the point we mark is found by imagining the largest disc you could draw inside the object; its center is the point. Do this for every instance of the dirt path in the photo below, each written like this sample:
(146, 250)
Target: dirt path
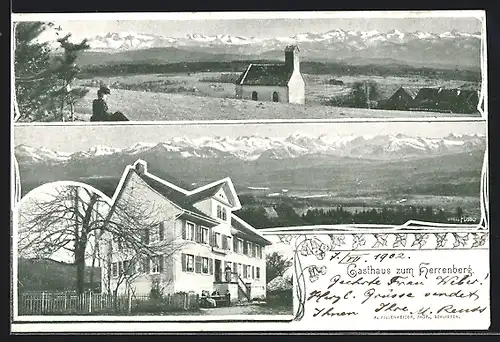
(246, 310)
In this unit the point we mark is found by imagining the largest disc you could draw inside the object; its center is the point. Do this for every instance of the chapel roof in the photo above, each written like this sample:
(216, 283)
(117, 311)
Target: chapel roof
(265, 75)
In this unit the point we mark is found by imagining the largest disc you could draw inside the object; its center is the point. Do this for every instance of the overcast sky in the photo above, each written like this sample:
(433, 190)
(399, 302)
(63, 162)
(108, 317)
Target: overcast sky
(260, 28)
(71, 138)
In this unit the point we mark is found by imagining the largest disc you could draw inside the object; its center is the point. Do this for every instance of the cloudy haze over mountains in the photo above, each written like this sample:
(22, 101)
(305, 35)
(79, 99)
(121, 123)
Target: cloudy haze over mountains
(251, 148)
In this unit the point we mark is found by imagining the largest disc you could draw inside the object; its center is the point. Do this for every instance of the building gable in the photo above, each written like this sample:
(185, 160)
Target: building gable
(221, 195)
(404, 93)
(214, 190)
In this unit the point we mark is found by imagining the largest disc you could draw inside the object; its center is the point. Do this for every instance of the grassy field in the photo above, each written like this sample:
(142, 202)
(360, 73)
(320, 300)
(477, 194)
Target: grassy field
(220, 84)
(152, 106)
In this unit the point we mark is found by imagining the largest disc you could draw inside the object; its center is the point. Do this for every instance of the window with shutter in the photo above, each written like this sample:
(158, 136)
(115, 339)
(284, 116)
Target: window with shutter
(204, 235)
(210, 237)
(162, 231)
(184, 262)
(162, 263)
(217, 241)
(229, 242)
(244, 271)
(197, 264)
(146, 265)
(198, 234)
(253, 272)
(155, 264)
(224, 214)
(245, 248)
(189, 263)
(211, 265)
(235, 268)
(204, 266)
(190, 231)
(129, 267)
(257, 273)
(183, 230)
(224, 241)
(235, 245)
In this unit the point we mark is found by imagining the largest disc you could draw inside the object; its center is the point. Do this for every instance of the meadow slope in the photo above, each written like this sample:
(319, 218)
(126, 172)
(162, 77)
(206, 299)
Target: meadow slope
(150, 106)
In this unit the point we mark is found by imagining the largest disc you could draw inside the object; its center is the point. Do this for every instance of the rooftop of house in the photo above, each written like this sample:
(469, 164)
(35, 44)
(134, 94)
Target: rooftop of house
(265, 75)
(273, 74)
(412, 92)
(427, 93)
(445, 94)
(186, 199)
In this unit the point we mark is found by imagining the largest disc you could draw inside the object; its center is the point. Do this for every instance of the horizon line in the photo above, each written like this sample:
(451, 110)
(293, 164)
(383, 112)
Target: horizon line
(257, 135)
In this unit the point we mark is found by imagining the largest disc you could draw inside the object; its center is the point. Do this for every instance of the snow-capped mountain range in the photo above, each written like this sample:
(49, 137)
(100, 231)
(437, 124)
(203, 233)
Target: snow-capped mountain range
(258, 148)
(358, 39)
(450, 48)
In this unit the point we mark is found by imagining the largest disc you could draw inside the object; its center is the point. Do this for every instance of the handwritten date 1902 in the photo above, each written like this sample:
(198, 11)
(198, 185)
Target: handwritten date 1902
(381, 257)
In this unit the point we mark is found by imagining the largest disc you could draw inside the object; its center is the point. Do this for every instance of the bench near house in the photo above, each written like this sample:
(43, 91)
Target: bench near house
(218, 250)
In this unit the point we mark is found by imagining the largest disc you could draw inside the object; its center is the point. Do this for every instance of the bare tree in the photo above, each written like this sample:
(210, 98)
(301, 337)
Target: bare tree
(77, 221)
(124, 264)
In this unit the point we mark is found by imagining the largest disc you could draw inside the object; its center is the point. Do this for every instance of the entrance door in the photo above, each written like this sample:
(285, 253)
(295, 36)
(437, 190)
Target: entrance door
(254, 96)
(217, 271)
(275, 97)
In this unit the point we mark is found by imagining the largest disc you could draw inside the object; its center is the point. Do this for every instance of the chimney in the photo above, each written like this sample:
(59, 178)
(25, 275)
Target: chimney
(141, 166)
(292, 60)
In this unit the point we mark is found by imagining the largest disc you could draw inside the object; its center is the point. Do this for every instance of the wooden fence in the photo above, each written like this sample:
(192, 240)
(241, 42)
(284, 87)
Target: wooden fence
(67, 303)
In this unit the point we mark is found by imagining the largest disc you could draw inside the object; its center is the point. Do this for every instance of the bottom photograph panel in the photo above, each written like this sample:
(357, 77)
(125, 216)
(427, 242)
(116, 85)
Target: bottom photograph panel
(252, 226)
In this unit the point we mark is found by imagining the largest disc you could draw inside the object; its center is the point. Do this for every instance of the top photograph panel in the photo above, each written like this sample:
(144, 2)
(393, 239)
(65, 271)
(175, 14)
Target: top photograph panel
(131, 67)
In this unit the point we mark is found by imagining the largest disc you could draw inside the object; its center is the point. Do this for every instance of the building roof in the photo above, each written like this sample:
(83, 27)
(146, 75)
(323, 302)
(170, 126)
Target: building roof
(209, 192)
(412, 92)
(469, 94)
(427, 93)
(186, 199)
(290, 48)
(171, 194)
(244, 230)
(265, 75)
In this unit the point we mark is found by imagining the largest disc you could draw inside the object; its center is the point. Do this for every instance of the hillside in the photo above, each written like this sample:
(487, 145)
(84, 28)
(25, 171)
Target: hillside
(51, 275)
(154, 56)
(150, 106)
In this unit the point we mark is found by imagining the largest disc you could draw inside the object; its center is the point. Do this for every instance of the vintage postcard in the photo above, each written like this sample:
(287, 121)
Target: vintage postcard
(99, 67)
(253, 171)
(251, 227)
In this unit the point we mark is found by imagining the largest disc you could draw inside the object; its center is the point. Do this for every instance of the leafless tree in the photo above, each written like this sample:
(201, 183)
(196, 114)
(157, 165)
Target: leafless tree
(77, 221)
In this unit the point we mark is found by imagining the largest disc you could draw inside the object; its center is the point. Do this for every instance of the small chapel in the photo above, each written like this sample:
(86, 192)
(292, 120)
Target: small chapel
(274, 82)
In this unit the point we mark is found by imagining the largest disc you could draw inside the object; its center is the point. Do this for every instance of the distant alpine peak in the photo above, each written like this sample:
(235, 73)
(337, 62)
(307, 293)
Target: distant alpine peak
(258, 147)
(132, 40)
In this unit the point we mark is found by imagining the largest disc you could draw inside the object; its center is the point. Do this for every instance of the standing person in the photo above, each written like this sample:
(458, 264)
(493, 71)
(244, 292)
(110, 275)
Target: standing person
(100, 107)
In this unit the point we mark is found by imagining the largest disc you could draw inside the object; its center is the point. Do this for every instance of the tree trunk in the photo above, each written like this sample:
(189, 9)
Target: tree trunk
(94, 255)
(62, 108)
(80, 270)
(115, 299)
(71, 110)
